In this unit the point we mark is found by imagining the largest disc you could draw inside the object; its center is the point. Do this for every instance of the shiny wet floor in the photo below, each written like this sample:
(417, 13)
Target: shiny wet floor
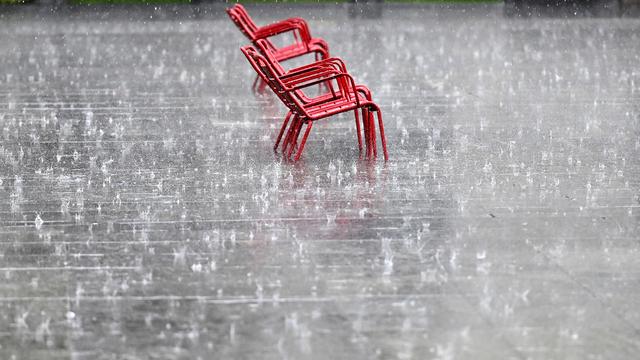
(144, 216)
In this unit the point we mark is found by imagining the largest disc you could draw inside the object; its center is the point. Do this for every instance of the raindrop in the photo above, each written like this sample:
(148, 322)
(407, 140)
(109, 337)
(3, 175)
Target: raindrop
(38, 222)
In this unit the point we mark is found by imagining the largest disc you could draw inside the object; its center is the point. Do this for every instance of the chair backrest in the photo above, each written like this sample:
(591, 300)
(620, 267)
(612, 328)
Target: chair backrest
(268, 74)
(248, 52)
(243, 21)
(265, 49)
(240, 8)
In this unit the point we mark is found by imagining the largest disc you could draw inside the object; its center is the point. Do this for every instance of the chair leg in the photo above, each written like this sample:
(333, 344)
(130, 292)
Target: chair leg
(373, 135)
(370, 134)
(304, 140)
(284, 126)
(365, 120)
(255, 82)
(374, 146)
(382, 137)
(367, 132)
(287, 139)
(296, 144)
(358, 131)
(294, 139)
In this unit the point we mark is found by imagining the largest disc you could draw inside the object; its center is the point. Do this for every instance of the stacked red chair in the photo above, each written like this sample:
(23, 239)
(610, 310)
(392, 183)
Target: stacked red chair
(303, 42)
(341, 95)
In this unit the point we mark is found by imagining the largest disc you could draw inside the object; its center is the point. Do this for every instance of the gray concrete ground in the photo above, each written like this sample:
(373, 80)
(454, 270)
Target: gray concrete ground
(143, 214)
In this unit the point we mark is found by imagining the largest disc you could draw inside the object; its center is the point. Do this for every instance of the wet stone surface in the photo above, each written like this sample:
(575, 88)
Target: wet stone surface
(143, 214)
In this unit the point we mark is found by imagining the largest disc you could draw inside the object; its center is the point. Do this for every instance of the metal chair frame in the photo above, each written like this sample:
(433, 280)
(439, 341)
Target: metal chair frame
(303, 42)
(327, 67)
(346, 96)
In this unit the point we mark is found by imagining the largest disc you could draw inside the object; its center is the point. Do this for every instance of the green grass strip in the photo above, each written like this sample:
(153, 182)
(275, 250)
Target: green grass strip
(443, 1)
(155, 2)
(289, 1)
(128, 2)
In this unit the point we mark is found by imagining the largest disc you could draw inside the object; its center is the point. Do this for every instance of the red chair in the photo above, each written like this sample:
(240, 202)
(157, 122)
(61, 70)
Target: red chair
(303, 42)
(310, 70)
(344, 96)
(330, 66)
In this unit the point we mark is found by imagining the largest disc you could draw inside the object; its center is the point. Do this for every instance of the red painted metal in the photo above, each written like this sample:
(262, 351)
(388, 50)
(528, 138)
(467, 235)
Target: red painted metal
(327, 66)
(303, 42)
(300, 74)
(343, 95)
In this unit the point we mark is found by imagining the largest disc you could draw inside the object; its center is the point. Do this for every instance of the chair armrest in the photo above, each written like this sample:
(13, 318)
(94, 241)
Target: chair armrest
(345, 82)
(337, 62)
(310, 72)
(333, 65)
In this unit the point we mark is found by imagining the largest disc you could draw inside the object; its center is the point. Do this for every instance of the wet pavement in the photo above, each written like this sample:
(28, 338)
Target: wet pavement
(143, 214)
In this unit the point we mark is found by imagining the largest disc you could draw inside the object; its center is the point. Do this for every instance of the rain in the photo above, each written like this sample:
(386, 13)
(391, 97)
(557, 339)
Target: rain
(145, 215)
